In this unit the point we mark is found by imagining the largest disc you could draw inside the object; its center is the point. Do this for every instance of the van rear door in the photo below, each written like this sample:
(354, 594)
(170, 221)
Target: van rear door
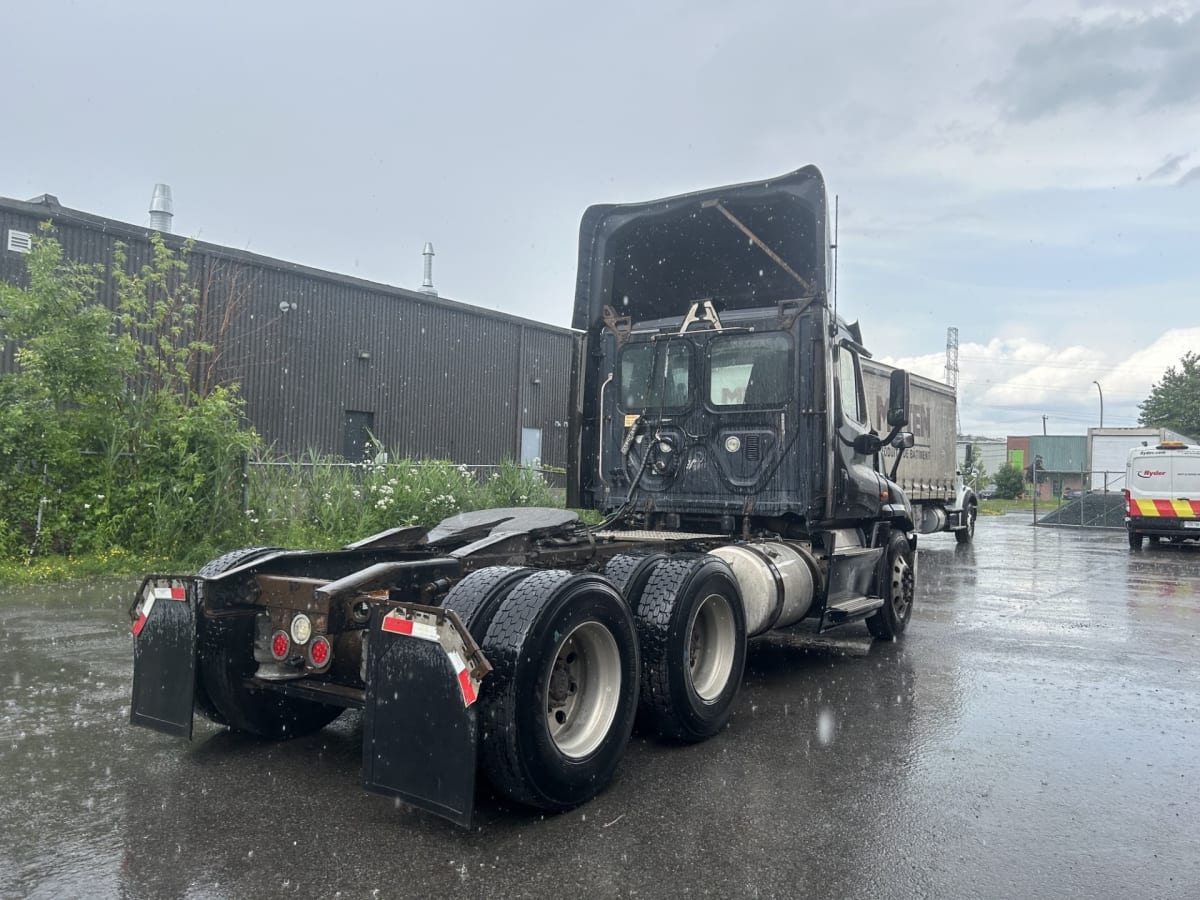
(1185, 475)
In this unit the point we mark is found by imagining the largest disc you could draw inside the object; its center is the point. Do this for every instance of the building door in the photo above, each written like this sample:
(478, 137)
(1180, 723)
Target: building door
(356, 434)
(531, 446)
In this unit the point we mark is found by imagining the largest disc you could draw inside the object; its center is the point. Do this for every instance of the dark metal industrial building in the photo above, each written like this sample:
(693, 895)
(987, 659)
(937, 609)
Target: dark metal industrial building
(323, 359)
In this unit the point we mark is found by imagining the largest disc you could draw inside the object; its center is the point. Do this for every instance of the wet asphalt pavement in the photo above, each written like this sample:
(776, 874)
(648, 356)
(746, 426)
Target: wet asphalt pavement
(1035, 734)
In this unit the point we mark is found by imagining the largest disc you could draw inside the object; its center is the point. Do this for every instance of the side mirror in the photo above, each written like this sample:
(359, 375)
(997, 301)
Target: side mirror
(867, 444)
(897, 414)
(904, 440)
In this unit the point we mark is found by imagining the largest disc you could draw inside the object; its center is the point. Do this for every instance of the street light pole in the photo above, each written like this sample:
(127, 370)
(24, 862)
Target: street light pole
(1097, 384)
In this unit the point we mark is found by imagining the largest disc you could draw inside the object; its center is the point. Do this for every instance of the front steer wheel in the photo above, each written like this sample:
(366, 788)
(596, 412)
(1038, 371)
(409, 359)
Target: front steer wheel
(559, 705)
(226, 660)
(899, 591)
(966, 534)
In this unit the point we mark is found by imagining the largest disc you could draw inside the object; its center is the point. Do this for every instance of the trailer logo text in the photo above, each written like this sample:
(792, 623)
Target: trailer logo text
(1150, 473)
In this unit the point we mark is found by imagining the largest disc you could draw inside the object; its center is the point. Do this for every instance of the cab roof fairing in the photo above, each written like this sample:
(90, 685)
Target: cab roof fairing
(665, 254)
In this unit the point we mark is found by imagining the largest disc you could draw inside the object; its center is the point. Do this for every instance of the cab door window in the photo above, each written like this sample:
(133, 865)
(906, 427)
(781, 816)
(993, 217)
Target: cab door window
(850, 386)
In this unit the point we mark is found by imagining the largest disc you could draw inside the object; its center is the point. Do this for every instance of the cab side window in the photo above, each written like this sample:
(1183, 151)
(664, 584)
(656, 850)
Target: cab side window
(849, 386)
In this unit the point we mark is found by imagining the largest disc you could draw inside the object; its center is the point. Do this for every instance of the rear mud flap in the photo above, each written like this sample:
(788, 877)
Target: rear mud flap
(420, 729)
(164, 656)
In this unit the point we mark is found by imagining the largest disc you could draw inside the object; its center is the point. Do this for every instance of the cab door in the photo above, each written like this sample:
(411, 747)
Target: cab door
(858, 484)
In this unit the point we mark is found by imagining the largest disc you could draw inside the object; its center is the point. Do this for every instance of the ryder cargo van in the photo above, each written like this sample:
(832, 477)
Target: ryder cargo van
(1162, 493)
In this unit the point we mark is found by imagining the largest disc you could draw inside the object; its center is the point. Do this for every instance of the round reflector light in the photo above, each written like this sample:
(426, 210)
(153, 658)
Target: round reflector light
(280, 645)
(320, 652)
(301, 628)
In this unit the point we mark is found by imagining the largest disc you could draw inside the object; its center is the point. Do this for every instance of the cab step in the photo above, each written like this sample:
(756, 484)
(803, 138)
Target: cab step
(848, 610)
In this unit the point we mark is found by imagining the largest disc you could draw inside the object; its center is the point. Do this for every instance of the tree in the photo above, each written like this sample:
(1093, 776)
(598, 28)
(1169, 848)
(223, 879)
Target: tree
(105, 440)
(1010, 482)
(1174, 401)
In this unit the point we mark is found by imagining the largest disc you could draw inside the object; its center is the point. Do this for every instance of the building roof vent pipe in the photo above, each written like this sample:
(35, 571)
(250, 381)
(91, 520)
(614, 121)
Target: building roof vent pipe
(427, 282)
(162, 210)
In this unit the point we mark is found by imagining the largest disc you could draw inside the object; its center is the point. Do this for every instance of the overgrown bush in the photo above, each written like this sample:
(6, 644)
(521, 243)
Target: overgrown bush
(103, 442)
(108, 446)
(317, 501)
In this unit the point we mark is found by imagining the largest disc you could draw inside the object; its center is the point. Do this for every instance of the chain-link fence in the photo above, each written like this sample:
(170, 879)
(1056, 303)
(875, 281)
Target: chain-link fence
(1091, 499)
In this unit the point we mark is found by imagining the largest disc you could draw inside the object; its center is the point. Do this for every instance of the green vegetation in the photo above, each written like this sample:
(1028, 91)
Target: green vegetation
(103, 442)
(1009, 481)
(116, 456)
(1174, 402)
(317, 502)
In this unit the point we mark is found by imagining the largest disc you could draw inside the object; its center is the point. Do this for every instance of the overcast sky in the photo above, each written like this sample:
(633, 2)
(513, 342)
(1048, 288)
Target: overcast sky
(1026, 172)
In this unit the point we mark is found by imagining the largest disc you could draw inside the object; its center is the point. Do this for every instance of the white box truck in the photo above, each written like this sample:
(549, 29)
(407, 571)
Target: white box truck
(1108, 452)
(928, 473)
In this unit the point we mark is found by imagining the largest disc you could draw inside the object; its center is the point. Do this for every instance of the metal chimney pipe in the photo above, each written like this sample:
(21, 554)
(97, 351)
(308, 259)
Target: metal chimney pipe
(162, 210)
(427, 284)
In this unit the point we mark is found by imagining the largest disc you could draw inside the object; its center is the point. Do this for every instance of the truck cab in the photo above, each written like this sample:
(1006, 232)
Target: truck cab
(716, 390)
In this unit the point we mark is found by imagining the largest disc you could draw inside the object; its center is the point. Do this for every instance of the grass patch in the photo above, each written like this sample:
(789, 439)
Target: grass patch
(60, 568)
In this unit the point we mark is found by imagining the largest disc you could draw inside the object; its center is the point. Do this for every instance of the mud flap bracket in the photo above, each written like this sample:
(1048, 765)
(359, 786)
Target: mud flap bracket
(164, 655)
(420, 724)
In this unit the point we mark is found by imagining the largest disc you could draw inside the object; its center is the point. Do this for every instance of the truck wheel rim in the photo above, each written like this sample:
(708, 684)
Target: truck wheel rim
(902, 585)
(583, 690)
(711, 646)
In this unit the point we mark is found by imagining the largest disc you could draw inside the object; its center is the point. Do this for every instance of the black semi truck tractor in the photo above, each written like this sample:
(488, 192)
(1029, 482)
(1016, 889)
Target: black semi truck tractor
(720, 426)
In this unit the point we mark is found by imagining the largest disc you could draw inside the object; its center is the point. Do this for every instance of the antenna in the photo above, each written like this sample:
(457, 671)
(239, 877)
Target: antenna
(834, 248)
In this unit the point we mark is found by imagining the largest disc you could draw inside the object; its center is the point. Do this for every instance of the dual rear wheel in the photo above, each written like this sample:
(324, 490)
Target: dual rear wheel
(577, 657)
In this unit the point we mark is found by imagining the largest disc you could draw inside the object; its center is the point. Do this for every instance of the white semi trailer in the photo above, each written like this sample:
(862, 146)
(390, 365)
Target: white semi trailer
(928, 473)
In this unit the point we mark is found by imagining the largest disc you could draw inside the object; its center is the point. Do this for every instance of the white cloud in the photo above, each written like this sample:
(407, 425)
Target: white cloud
(1007, 385)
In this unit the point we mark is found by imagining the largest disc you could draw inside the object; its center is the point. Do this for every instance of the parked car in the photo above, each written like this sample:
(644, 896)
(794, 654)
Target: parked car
(1072, 493)
(988, 492)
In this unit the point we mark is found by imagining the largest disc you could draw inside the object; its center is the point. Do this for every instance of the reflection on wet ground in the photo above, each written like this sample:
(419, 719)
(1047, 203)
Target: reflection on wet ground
(1034, 735)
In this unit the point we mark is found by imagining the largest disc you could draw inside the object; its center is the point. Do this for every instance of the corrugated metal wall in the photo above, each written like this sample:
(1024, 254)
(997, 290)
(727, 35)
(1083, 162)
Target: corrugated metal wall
(438, 378)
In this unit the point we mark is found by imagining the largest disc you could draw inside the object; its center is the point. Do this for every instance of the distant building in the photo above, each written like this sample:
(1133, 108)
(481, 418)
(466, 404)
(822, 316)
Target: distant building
(1063, 463)
(992, 451)
(326, 360)
(1108, 449)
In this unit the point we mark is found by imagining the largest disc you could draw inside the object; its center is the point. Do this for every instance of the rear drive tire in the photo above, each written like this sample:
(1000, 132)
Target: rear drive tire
(219, 566)
(477, 597)
(899, 591)
(1135, 540)
(966, 534)
(226, 660)
(559, 705)
(629, 573)
(692, 631)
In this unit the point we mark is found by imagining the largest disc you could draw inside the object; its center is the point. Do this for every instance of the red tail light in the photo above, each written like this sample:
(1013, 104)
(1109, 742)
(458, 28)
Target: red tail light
(320, 652)
(280, 645)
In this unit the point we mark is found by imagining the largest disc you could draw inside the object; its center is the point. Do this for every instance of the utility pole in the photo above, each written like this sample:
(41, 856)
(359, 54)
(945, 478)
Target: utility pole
(1044, 425)
(1097, 384)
